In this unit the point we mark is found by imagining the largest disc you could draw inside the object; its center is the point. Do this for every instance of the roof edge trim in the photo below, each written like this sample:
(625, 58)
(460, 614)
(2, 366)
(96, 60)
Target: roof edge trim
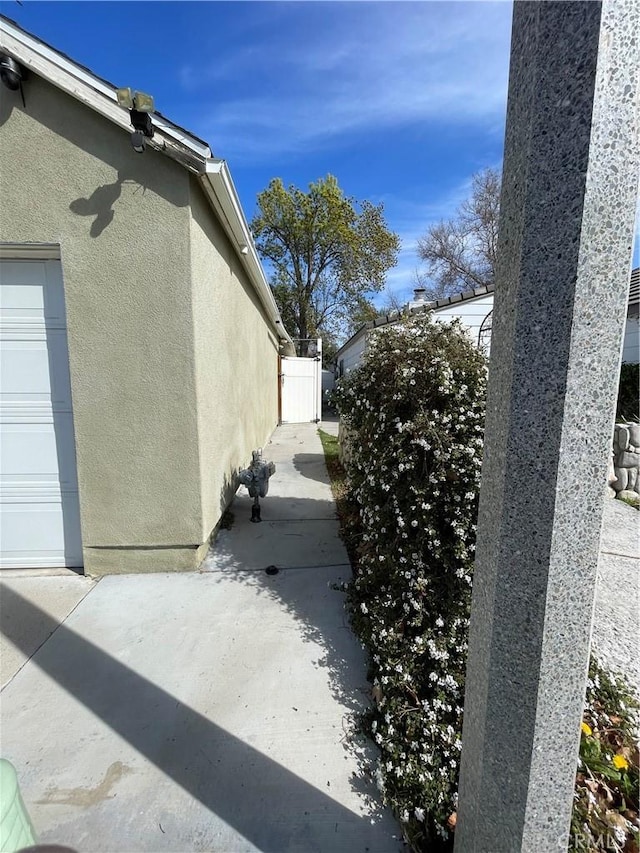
(220, 189)
(96, 93)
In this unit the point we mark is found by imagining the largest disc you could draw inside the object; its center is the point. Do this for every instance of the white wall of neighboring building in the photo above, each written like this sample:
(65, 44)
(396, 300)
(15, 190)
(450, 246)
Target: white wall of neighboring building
(471, 312)
(351, 356)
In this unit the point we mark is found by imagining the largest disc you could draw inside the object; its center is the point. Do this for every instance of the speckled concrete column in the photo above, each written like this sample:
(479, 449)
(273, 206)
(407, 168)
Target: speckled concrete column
(569, 191)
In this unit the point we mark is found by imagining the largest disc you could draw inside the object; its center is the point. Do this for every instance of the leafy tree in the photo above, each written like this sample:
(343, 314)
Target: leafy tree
(460, 253)
(328, 253)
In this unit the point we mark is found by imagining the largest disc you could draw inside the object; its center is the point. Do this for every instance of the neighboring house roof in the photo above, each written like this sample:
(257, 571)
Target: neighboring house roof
(396, 316)
(170, 139)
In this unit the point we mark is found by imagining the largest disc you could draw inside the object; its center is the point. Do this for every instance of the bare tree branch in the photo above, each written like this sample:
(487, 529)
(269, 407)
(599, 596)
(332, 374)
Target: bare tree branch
(460, 253)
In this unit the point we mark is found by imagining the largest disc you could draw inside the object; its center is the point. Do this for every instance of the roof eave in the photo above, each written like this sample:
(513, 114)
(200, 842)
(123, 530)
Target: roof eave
(97, 94)
(192, 153)
(221, 192)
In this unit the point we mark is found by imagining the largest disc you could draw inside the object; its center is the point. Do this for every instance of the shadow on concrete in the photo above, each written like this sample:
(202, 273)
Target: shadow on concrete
(310, 586)
(230, 778)
(311, 465)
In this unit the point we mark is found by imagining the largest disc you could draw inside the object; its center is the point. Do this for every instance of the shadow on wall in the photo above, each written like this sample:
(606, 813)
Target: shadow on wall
(64, 434)
(226, 775)
(68, 119)
(100, 203)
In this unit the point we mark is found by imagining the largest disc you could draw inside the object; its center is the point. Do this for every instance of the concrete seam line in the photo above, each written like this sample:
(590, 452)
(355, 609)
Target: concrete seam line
(46, 640)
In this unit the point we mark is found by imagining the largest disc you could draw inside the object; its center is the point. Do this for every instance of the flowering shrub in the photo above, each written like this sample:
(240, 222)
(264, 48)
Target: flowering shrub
(415, 407)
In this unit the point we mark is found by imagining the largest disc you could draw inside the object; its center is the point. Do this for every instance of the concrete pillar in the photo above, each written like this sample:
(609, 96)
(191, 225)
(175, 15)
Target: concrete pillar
(569, 192)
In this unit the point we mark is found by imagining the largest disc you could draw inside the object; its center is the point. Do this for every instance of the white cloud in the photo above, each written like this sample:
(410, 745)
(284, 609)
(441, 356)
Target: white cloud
(329, 70)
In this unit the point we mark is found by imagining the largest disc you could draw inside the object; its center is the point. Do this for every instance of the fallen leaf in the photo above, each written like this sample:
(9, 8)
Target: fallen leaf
(452, 820)
(615, 819)
(608, 796)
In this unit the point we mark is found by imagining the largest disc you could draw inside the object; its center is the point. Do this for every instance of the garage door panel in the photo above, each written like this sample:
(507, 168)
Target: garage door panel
(21, 301)
(25, 370)
(31, 451)
(42, 527)
(28, 369)
(34, 532)
(39, 493)
(30, 286)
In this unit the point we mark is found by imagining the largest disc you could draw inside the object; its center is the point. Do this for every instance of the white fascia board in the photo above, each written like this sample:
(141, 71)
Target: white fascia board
(220, 190)
(97, 94)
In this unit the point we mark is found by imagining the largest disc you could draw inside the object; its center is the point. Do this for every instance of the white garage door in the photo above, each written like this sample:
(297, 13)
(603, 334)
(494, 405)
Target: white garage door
(40, 524)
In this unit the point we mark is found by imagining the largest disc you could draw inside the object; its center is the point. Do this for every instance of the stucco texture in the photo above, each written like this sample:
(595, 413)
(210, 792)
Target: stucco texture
(236, 361)
(146, 347)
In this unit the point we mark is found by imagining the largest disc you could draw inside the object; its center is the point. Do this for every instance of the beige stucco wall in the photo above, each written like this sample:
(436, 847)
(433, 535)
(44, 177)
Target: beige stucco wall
(123, 222)
(236, 360)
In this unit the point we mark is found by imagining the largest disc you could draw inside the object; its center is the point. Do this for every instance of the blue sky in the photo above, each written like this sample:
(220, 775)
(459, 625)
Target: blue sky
(402, 101)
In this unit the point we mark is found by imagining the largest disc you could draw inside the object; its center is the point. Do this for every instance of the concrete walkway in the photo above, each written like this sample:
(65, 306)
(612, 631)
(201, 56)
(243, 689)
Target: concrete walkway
(616, 624)
(201, 712)
(212, 711)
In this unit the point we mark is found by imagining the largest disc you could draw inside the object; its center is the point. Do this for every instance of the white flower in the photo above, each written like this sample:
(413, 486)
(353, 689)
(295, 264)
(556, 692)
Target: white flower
(419, 813)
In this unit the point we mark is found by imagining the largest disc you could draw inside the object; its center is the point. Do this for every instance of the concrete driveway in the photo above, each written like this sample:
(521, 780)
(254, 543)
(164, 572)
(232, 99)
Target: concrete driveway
(209, 711)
